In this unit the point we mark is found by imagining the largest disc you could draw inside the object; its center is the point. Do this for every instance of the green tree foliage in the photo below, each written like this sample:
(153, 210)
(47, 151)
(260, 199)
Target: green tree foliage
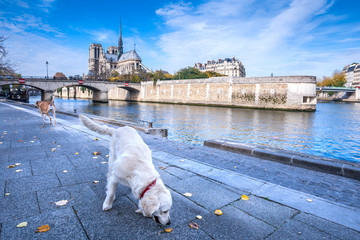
(189, 73)
(213, 74)
(336, 80)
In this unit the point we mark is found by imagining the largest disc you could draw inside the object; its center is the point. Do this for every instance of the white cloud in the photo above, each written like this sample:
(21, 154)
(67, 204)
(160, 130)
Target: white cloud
(268, 38)
(29, 53)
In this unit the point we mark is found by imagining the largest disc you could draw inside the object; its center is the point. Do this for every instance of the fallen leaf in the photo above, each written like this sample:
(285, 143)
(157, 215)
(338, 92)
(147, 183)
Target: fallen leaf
(76, 153)
(7, 194)
(182, 160)
(187, 194)
(244, 197)
(194, 225)
(11, 166)
(162, 168)
(20, 140)
(309, 200)
(61, 202)
(31, 141)
(17, 164)
(53, 142)
(19, 170)
(103, 162)
(23, 224)
(107, 156)
(53, 149)
(199, 217)
(43, 228)
(95, 157)
(168, 230)
(0, 142)
(96, 139)
(218, 212)
(96, 153)
(65, 171)
(95, 182)
(58, 146)
(45, 131)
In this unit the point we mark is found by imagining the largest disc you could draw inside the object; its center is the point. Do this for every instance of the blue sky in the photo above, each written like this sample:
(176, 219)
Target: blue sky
(283, 37)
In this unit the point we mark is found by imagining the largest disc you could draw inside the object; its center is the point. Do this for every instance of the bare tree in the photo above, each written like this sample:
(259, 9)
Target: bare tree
(5, 65)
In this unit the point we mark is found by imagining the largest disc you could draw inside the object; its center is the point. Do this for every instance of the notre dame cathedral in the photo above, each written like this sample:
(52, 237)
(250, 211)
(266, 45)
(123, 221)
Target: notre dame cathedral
(102, 64)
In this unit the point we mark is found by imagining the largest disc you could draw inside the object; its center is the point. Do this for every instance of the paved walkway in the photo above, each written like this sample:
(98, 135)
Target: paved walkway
(285, 202)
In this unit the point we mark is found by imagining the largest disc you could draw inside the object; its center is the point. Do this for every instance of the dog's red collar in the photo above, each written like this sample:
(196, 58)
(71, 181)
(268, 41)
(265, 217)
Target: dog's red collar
(147, 188)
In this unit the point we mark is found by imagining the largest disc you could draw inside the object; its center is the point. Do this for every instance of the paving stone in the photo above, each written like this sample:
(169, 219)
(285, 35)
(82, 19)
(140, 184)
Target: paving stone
(80, 176)
(10, 173)
(31, 184)
(234, 224)
(100, 189)
(80, 194)
(18, 205)
(270, 212)
(63, 225)
(205, 193)
(178, 172)
(51, 165)
(326, 226)
(297, 230)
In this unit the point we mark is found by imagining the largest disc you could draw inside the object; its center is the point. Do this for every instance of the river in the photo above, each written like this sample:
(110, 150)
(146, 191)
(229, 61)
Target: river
(331, 131)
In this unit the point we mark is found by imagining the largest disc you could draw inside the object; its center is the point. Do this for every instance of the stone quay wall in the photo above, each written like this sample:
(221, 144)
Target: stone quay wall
(281, 92)
(285, 93)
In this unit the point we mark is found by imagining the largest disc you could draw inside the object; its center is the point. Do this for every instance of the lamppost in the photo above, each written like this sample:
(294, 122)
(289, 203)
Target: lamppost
(47, 72)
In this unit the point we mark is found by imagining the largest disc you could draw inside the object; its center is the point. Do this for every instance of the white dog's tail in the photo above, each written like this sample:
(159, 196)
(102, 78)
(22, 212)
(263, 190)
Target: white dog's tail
(104, 130)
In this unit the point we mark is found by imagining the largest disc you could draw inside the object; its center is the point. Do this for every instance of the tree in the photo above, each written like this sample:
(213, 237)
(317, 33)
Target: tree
(189, 73)
(337, 80)
(5, 65)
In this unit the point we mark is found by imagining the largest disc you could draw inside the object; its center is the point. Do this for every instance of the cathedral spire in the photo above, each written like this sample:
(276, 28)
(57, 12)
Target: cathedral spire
(120, 43)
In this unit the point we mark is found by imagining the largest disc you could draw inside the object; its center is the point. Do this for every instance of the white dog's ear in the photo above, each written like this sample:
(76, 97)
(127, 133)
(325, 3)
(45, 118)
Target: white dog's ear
(149, 205)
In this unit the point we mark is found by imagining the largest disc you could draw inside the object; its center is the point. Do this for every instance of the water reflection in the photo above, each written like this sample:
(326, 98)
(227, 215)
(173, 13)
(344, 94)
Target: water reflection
(331, 131)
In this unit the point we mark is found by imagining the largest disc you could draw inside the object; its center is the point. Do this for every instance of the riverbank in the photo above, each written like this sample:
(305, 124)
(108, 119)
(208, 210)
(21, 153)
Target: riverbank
(284, 201)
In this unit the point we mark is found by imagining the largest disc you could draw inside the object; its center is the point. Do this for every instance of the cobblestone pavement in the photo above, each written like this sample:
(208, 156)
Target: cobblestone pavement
(50, 170)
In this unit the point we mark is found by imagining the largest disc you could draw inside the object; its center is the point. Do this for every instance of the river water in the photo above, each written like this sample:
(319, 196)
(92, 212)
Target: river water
(333, 130)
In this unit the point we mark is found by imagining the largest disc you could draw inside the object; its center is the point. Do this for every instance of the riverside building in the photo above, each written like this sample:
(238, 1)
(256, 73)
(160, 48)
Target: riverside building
(352, 75)
(102, 64)
(228, 66)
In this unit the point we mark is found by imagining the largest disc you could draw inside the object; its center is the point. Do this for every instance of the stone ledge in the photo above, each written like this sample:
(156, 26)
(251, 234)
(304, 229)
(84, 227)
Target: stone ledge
(161, 132)
(316, 163)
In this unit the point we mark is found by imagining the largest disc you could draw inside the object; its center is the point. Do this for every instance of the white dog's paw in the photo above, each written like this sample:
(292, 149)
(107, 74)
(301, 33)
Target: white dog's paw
(139, 211)
(106, 207)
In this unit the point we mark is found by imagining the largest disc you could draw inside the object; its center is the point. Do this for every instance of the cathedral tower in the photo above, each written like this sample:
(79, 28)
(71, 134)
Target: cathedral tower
(120, 43)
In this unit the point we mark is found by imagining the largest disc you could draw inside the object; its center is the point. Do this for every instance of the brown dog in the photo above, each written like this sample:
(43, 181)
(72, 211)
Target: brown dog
(45, 107)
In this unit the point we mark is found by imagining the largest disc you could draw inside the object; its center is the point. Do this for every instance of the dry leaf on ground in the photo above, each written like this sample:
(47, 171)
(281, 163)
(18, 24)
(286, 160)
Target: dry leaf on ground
(309, 200)
(95, 181)
(7, 194)
(20, 140)
(65, 171)
(53, 149)
(168, 230)
(244, 197)
(17, 164)
(194, 225)
(23, 224)
(107, 156)
(162, 168)
(76, 153)
(96, 153)
(95, 157)
(11, 166)
(0, 142)
(61, 202)
(218, 212)
(19, 170)
(96, 139)
(43, 228)
(187, 194)
(103, 162)
(199, 217)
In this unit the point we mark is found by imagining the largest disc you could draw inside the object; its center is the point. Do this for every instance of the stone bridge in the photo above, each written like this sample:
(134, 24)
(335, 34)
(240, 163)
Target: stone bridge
(100, 88)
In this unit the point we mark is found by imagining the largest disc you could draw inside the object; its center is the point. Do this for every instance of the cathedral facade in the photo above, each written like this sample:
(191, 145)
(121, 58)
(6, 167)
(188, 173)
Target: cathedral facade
(102, 64)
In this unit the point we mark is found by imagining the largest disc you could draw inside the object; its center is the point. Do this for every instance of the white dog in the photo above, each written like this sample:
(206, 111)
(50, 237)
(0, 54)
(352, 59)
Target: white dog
(130, 163)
